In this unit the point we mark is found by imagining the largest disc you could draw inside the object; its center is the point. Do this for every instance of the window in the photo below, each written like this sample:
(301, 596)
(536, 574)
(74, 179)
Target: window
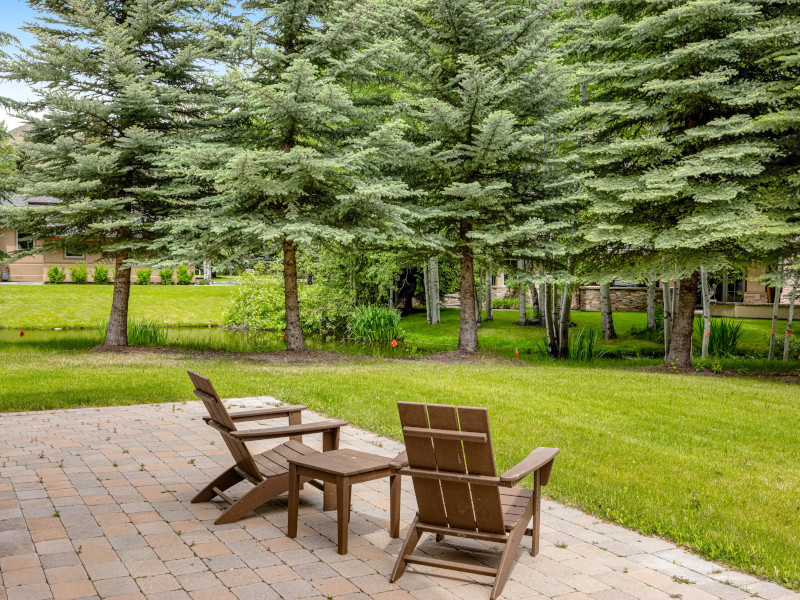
(70, 253)
(24, 241)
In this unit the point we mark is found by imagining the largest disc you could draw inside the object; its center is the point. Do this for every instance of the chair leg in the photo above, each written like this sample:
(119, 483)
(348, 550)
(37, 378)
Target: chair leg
(394, 505)
(537, 512)
(260, 494)
(223, 481)
(294, 501)
(407, 549)
(510, 551)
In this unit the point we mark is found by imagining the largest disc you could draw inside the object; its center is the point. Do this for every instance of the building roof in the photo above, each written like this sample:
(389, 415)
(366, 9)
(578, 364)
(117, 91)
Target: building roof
(31, 200)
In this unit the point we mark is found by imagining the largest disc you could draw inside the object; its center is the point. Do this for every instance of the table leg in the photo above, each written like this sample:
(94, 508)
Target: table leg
(394, 505)
(294, 500)
(342, 510)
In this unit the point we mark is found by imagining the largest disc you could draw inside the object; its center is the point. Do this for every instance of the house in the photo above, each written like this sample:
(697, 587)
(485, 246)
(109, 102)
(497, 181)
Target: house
(33, 269)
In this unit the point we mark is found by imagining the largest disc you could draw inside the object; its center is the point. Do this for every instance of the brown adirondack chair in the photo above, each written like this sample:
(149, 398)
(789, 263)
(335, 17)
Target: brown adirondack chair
(451, 464)
(268, 471)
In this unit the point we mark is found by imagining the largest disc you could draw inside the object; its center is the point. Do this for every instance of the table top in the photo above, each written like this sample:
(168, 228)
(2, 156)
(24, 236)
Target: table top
(343, 462)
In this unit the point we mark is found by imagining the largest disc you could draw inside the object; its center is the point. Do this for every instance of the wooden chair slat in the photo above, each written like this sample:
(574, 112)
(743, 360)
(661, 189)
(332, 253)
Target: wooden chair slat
(420, 455)
(480, 461)
(450, 458)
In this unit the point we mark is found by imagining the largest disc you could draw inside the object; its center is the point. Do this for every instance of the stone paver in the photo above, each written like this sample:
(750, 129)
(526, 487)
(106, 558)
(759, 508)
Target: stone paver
(95, 503)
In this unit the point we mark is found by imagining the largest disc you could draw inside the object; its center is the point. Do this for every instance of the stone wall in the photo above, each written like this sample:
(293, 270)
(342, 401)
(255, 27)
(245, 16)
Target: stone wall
(623, 299)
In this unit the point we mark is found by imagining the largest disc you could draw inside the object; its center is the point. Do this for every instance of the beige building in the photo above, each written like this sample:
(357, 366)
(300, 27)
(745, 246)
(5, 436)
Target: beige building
(34, 268)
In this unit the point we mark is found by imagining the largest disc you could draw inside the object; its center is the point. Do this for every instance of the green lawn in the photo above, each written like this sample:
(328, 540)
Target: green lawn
(45, 306)
(713, 463)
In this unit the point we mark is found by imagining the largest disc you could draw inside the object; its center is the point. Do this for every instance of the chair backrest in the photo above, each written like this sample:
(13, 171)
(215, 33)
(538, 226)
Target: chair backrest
(222, 422)
(445, 440)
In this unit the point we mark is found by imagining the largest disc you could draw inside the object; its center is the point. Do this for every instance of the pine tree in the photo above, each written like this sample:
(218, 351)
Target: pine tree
(473, 88)
(673, 147)
(291, 165)
(116, 81)
(7, 163)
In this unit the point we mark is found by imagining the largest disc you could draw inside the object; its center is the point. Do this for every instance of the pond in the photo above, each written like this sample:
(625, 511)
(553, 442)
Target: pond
(214, 339)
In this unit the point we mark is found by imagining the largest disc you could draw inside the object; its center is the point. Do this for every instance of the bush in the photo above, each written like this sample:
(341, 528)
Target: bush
(56, 274)
(143, 276)
(101, 274)
(724, 335)
(184, 275)
(78, 273)
(166, 276)
(505, 303)
(259, 304)
(374, 324)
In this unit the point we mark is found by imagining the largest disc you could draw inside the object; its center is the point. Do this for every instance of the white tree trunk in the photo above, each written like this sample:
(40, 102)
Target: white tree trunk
(436, 312)
(606, 314)
(651, 306)
(489, 313)
(667, 316)
(706, 312)
(776, 302)
(207, 270)
(523, 313)
(788, 335)
(426, 284)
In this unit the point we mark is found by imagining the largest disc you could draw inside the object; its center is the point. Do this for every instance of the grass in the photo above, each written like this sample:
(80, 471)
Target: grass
(713, 463)
(46, 306)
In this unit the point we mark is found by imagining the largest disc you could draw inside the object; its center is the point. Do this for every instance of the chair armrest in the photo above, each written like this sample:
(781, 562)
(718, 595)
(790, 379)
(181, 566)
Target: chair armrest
(399, 461)
(263, 413)
(539, 458)
(278, 432)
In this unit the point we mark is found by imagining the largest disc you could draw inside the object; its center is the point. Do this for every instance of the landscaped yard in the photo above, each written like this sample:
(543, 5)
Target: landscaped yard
(713, 463)
(46, 306)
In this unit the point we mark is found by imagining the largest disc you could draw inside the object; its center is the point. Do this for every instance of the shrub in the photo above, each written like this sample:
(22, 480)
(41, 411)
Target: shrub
(143, 276)
(505, 303)
(78, 273)
(101, 274)
(724, 335)
(166, 276)
(583, 346)
(259, 304)
(184, 275)
(56, 274)
(374, 324)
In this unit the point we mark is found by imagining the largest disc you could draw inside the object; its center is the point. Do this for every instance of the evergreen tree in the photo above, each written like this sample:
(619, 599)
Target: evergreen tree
(7, 163)
(290, 164)
(473, 87)
(116, 81)
(673, 151)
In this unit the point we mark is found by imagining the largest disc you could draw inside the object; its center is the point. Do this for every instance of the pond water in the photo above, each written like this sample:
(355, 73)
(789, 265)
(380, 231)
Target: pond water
(201, 339)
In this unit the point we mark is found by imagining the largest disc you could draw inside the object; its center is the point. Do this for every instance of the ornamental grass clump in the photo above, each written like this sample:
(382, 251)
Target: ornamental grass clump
(583, 346)
(724, 335)
(374, 324)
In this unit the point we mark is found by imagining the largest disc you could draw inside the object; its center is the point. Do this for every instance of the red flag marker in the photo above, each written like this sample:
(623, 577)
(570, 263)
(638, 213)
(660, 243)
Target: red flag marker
(516, 352)
(284, 335)
(21, 334)
(708, 334)
(773, 331)
(790, 333)
(394, 343)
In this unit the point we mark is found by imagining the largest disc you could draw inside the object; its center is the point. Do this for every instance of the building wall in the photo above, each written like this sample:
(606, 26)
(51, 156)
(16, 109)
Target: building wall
(34, 268)
(623, 299)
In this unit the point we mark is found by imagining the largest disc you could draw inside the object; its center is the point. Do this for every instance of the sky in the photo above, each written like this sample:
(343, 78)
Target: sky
(13, 13)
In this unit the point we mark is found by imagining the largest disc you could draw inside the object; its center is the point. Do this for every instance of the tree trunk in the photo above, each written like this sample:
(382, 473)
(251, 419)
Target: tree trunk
(523, 314)
(706, 312)
(207, 270)
(667, 317)
(675, 295)
(605, 312)
(294, 332)
(651, 306)
(535, 300)
(563, 335)
(436, 314)
(117, 334)
(680, 351)
(489, 312)
(426, 285)
(776, 302)
(468, 327)
(788, 335)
